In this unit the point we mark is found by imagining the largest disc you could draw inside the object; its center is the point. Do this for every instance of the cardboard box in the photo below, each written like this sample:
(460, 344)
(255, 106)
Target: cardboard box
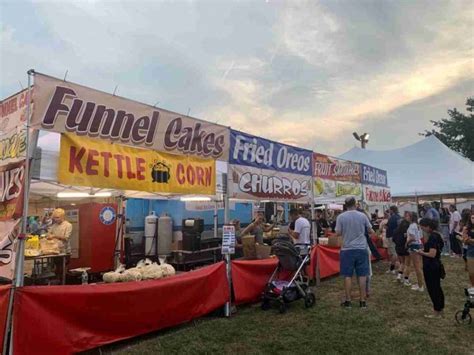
(335, 242)
(248, 243)
(262, 251)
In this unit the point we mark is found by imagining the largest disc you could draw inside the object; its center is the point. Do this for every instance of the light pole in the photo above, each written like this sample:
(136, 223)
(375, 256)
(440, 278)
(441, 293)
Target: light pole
(363, 139)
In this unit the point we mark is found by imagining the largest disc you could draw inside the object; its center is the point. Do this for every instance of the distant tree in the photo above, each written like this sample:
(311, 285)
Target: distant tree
(457, 131)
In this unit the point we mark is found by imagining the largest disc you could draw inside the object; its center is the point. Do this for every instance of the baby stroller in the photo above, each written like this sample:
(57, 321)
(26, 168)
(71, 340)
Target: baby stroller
(292, 259)
(463, 317)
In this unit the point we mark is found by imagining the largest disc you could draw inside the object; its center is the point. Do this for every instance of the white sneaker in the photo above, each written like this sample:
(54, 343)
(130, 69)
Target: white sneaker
(394, 272)
(399, 276)
(407, 282)
(417, 288)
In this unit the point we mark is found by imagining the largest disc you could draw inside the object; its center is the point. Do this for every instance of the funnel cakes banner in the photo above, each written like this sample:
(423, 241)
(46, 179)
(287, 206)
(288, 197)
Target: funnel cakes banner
(62, 106)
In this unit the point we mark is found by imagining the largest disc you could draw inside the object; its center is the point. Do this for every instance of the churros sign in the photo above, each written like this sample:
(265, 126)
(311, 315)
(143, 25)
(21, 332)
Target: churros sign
(89, 162)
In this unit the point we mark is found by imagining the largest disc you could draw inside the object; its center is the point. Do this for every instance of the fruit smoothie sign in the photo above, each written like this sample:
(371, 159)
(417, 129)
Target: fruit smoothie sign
(89, 162)
(265, 170)
(66, 107)
(329, 168)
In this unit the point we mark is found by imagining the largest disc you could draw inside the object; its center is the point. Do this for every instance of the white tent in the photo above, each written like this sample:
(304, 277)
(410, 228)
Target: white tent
(426, 168)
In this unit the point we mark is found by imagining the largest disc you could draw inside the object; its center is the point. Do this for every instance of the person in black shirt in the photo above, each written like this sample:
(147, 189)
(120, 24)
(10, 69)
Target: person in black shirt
(321, 223)
(432, 267)
(400, 239)
(392, 225)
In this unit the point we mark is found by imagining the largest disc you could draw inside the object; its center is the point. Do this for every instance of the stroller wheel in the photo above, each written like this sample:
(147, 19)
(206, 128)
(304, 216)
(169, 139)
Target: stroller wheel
(309, 300)
(463, 317)
(283, 308)
(265, 306)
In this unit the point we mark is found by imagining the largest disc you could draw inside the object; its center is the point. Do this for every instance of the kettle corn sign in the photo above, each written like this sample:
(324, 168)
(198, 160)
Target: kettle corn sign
(89, 162)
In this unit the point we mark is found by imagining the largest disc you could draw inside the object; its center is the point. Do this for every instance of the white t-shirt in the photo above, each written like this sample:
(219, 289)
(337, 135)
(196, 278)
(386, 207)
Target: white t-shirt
(414, 231)
(455, 217)
(303, 228)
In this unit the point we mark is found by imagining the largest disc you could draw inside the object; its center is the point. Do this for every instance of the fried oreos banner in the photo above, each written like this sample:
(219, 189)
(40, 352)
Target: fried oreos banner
(376, 194)
(65, 107)
(95, 163)
(261, 153)
(265, 170)
(373, 176)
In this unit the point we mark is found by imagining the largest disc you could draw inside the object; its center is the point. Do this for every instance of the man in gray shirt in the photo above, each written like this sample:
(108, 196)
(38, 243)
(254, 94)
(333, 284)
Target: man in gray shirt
(352, 225)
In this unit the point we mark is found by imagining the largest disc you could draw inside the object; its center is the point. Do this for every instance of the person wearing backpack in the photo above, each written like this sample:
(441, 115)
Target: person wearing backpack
(392, 225)
(433, 269)
(400, 238)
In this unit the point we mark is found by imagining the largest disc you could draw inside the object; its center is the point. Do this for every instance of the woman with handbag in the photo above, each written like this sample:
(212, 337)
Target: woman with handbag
(433, 269)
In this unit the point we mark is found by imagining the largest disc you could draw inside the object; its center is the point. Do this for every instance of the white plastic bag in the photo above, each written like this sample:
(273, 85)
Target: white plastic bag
(168, 270)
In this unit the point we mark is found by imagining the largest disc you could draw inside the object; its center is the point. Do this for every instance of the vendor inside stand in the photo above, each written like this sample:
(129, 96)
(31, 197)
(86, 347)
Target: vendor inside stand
(257, 228)
(60, 230)
(238, 230)
(301, 234)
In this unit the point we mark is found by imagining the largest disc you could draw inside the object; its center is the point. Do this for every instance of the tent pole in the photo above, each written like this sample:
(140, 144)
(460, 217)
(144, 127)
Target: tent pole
(119, 231)
(313, 221)
(215, 217)
(227, 308)
(20, 249)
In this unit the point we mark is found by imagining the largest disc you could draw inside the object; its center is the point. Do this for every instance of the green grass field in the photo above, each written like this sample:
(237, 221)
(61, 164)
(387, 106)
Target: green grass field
(393, 324)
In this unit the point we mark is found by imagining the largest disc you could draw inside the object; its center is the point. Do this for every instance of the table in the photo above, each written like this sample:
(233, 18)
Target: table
(41, 260)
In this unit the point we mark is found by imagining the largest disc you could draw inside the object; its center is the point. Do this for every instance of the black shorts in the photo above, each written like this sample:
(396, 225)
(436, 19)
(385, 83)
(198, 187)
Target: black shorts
(402, 251)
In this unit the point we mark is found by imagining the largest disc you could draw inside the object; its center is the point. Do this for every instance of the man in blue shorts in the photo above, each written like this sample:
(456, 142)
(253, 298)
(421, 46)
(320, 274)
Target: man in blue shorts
(352, 226)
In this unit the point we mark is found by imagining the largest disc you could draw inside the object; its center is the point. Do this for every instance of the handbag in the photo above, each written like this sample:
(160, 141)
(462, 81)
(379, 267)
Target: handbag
(442, 271)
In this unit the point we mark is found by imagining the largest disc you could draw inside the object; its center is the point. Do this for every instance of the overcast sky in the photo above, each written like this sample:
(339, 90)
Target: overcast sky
(307, 73)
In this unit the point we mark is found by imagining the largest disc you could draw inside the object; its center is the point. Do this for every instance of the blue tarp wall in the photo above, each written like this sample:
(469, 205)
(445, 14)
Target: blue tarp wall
(138, 209)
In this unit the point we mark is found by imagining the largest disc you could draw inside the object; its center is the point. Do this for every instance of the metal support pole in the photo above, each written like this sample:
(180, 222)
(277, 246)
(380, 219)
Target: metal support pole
(119, 231)
(227, 309)
(216, 216)
(313, 221)
(20, 249)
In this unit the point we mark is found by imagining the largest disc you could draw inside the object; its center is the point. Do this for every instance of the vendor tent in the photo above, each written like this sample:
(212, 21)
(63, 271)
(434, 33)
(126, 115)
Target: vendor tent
(426, 168)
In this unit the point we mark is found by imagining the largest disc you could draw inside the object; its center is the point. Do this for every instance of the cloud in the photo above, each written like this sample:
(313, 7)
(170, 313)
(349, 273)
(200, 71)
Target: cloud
(302, 72)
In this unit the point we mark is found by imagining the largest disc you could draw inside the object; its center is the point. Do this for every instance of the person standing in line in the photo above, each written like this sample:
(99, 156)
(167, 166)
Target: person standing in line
(392, 225)
(454, 220)
(465, 218)
(413, 245)
(400, 240)
(431, 213)
(352, 226)
(432, 267)
(468, 239)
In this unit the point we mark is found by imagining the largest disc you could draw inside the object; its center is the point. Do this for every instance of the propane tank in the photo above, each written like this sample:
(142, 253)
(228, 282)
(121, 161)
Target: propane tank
(151, 222)
(165, 234)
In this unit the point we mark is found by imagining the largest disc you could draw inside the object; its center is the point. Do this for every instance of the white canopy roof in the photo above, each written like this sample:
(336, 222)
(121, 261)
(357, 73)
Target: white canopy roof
(426, 168)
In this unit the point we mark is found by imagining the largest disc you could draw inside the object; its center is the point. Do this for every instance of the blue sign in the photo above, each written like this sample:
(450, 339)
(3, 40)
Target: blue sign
(373, 176)
(107, 215)
(261, 153)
